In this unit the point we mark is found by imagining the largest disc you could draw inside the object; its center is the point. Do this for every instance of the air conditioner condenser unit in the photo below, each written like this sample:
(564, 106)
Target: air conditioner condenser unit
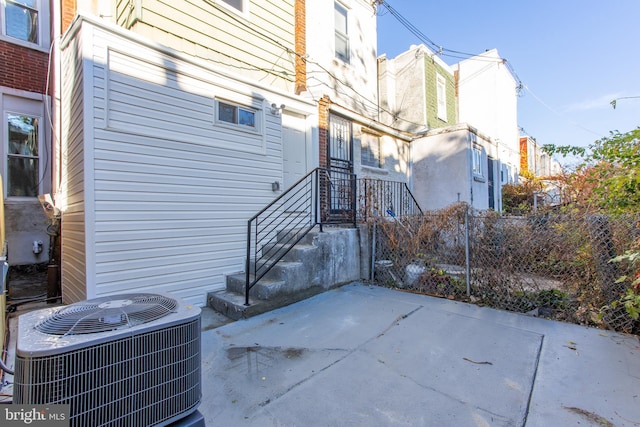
(120, 360)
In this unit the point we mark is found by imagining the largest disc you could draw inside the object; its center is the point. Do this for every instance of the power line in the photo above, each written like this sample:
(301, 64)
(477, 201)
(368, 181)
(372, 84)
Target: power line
(614, 102)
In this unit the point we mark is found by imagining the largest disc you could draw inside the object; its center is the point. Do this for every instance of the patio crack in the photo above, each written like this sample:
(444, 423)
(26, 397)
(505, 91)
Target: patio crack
(533, 381)
(397, 320)
(348, 353)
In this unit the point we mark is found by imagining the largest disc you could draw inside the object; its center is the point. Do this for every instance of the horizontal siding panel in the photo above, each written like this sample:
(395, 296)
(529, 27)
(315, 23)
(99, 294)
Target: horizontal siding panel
(161, 257)
(170, 272)
(155, 101)
(262, 40)
(170, 190)
(122, 240)
(112, 251)
(189, 289)
(171, 153)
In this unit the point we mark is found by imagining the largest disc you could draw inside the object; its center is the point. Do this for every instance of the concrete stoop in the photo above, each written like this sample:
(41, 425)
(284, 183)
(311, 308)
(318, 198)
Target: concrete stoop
(314, 265)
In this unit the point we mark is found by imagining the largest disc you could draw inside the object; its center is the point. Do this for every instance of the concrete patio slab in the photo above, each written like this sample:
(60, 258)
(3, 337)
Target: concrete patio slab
(370, 356)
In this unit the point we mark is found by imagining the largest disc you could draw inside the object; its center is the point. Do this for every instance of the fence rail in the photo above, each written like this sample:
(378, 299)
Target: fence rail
(553, 265)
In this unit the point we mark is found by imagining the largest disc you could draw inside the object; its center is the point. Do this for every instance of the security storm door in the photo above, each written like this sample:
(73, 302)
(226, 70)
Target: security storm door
(341, 188)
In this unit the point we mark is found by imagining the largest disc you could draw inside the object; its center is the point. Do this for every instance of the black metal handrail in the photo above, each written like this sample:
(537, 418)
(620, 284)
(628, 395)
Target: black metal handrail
(317, 199)
(272, 232)
(391, 199)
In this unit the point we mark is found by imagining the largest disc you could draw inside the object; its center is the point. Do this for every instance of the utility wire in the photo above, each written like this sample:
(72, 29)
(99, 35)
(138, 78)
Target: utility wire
(374, 106)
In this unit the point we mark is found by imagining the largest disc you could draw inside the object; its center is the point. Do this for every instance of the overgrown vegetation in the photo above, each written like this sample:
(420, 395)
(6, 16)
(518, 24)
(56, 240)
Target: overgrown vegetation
(608, 181)
(552, 264)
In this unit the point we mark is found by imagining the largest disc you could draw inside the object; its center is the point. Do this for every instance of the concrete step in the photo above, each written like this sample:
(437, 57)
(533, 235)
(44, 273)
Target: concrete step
(298, 253)
(318, 262)
(266, 288)
(232, 304)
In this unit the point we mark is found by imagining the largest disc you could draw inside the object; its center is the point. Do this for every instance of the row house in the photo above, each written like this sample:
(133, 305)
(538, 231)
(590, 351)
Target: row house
(535, 163)
(177, 121)
(463, 119)
(172, 123)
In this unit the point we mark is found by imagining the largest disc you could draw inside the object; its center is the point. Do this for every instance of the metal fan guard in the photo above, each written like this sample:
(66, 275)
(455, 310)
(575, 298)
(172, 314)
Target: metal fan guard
(106, 314)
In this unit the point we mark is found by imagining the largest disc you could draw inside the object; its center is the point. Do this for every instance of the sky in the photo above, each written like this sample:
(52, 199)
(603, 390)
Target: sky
(573, 57)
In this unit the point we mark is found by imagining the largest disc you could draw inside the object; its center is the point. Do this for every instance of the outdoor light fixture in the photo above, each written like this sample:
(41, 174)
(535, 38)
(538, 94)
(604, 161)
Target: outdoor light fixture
(275, 110)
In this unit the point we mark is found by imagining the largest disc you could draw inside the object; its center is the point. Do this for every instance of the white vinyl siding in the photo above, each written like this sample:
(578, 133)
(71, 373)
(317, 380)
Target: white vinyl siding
(170, 190)
(74, 261)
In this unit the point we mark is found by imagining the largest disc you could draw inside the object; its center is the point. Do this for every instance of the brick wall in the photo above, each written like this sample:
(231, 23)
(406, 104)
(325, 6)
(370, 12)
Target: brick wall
(301, 46)
(69, 8)
(323, 137)
(23, 68)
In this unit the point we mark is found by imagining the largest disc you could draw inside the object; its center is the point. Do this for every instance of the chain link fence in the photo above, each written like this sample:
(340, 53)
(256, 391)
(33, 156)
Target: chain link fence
(552, 265)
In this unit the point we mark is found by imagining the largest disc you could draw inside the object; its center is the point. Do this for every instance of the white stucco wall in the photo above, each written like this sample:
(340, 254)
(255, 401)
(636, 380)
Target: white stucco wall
(353, 84)
(442, 169)
(488, 101)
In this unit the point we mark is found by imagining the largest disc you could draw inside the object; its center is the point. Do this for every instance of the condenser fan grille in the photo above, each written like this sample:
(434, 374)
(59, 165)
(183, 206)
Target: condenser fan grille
(106, 314)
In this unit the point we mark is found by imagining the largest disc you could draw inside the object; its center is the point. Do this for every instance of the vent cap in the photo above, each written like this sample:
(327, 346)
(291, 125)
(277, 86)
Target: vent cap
(106, 314)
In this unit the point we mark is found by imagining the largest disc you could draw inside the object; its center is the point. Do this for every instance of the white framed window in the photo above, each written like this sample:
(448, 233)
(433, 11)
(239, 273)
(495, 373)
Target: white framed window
(441, 94)
(241, 6)
(478, 170)
(238, 116)
(371, 150)
(23, 140)
(25, 22)
(341, 32)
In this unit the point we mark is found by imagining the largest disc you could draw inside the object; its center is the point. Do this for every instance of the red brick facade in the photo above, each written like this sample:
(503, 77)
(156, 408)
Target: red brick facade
(23, 68)
(301, 46)
(69, 8)
(323, 130)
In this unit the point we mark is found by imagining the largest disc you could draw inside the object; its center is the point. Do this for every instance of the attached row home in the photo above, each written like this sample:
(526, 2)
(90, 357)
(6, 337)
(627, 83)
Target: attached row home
(160, 128)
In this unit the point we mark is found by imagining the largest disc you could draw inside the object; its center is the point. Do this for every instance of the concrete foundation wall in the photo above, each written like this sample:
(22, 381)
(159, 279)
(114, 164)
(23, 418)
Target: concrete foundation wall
(25, 222)
(340, 255)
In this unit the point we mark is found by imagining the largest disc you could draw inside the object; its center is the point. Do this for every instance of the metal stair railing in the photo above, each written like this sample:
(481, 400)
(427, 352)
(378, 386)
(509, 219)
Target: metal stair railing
(283, 223)
(277, 228)
(391, 199)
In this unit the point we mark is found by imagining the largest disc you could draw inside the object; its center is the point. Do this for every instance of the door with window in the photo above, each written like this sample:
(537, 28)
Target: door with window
(342, 183)
(23, 134)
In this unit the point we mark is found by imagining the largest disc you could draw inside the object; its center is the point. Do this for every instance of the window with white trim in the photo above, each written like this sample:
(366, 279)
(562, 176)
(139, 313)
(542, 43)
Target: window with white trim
(238, 116)
(371, 150)
(23, 154)
(478, 170)
(21, 20)
(341, 32)
(441, 94)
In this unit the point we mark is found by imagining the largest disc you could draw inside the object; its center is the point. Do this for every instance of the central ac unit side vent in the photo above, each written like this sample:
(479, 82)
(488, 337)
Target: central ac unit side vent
(106, 314)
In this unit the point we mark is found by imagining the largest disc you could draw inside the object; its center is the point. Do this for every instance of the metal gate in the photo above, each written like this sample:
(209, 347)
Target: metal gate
(341, 191)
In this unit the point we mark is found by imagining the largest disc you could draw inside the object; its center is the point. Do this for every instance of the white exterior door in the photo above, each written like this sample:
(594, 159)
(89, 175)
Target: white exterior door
(294, 145)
